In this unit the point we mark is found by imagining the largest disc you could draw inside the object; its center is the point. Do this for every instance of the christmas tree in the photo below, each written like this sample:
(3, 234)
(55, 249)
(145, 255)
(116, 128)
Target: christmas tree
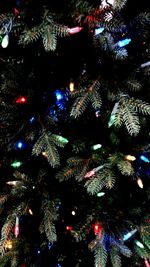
(75, 131)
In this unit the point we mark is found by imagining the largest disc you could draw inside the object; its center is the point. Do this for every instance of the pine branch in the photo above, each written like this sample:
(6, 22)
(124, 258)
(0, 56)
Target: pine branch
(50, 216)
(47, 143)
(100, 255)
(139, 106)
(103, 178)
(49, 40)
(88, 95)
(145, 233)
(125, 168)
(129, 118)
(115, 257)
(30, 35)
(133, 85)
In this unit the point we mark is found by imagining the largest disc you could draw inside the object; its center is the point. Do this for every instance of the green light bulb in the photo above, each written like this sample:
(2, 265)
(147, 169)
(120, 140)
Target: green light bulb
(100, 194)
(95, 147)
(63, 140)
(16, 164)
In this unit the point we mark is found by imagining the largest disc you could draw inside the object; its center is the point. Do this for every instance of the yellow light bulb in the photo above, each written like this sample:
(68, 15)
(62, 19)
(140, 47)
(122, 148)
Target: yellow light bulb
(8, 244)
(140, 183)
(71, 87)
(44, 154)
(31, 212)
(11, 183)
(130, 158)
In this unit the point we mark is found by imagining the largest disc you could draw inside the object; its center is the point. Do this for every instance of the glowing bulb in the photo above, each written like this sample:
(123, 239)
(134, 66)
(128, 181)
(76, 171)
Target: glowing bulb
(144, 159)
(19, 145)
(74, 30)
(124, 42)
(63, 140)
(16, 230)
(139, 244)
(30, 212)
(11, 183)
(140, 183)
(5, 41)
(89, 174)
(71, 87)
(95, 147)
(130, 158)
(128, 235)
(21, 100)
(73, 212)
(98, 31)
(59, 95)
(16, 164)
(8, 244)
(68, 228)
(146, 263)
(111, 120)
(100, 194)
(44, 154)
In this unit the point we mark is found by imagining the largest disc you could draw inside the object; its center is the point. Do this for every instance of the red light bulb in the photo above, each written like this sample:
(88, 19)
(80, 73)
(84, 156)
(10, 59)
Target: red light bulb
(97, 228)
(68, 228)
(74, 30)
(21, 100)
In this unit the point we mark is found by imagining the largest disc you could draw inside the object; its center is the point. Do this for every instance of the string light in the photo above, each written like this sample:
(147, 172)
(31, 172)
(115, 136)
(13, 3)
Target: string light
(63, 140)
(145, 159)
(59, 95)
(100, 194)
(128, 235)
(112, 116)
(140, 183)
(73, 212)
(124, 42)
(147, 64)
(98, 31)
(14, 183)
(16, 230)
(139, 244)
(130, 158)
(74, 30)
(97, 228)
(32, 119)
(8, 244)
(146, 263)
(19, 144)
(30, 212)
(44, 154)
(21, 100)
(69, 228)
(71, 86)
(92, 172)
(16, 164)
(5, 41)
(95, 147)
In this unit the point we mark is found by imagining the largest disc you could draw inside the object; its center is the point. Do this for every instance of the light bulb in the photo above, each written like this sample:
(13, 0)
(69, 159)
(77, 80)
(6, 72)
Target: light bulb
(130, 158)
(5, 41)
(140, 183)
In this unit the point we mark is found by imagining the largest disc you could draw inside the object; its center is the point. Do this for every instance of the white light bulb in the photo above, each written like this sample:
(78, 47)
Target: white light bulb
(5, 41)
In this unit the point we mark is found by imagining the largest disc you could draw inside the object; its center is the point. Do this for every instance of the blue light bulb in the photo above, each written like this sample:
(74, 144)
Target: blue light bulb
(144, 159)
(19, 144)
(59, 95)
(124, 42)
(98, 31)
(38, 252)
(32, 119)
